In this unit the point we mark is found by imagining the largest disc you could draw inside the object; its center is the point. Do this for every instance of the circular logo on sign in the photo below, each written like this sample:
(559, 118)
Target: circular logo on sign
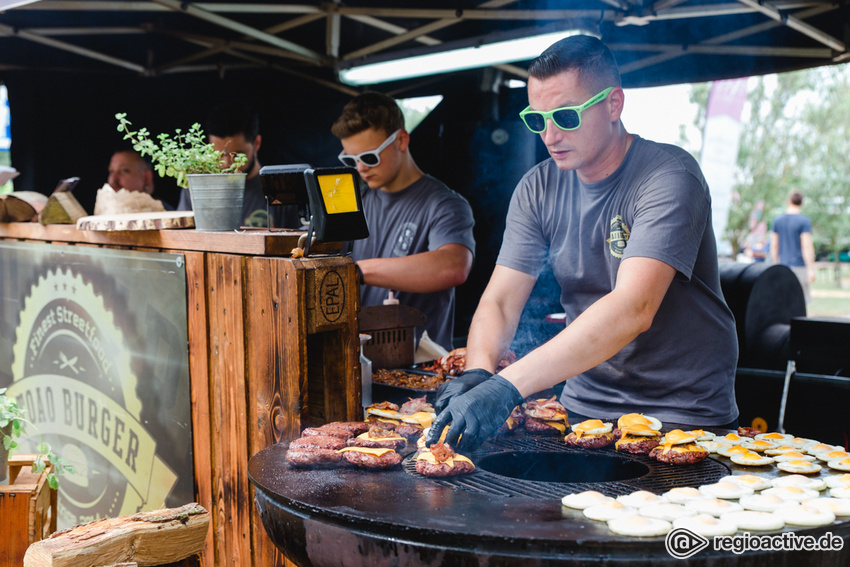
(73, 374)
(332, 296)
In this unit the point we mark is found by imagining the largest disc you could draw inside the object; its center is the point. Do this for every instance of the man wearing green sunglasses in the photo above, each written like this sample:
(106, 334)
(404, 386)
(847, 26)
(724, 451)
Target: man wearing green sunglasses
(626, 225)
(420, 245)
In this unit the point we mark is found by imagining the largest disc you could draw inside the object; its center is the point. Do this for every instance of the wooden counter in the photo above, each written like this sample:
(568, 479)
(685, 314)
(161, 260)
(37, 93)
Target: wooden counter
(273, 347)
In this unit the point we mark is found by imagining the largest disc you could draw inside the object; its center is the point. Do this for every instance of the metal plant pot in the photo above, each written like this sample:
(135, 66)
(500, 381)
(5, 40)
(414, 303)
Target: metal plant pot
(217, 200)
(4, 454)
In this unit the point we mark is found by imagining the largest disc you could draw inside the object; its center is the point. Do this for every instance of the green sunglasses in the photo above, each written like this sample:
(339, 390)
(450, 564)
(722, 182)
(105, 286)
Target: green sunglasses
(565, 118)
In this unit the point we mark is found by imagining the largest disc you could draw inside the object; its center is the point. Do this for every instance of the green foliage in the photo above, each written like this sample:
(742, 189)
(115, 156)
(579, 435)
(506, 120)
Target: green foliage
(180, 155)
(796, 139)
(11, 413)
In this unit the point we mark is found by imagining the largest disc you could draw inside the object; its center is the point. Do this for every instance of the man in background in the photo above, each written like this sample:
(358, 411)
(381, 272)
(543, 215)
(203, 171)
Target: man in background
(234, 128)
(129, 170)
(791, 242)
(420, 245)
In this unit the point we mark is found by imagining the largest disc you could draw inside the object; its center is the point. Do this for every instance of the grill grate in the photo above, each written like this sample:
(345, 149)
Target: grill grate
(658, 478)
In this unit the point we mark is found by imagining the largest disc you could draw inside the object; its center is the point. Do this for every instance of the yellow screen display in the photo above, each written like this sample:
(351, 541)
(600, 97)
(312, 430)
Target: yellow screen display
(338, 193)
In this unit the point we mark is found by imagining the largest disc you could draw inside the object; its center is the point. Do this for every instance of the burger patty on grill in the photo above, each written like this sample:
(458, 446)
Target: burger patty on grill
(353, 427)
(331, 430)
(409, 430)
(318, 442)
(387, 460)
(590, 442)
(677, 456)
(637, 445)
(378, 443)
(312, 457)
(457, 467)
(538, 427)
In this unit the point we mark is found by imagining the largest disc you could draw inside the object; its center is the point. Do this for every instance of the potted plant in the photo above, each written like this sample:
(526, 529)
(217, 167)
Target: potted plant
(217, 189)
(12, 426)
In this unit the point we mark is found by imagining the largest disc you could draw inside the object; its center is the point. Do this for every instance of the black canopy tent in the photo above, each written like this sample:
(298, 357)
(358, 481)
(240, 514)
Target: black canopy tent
(70, 65)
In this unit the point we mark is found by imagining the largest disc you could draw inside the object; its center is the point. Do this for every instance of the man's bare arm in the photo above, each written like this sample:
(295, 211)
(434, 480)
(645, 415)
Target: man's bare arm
(446, 267)
(496, 317)
(600, 332)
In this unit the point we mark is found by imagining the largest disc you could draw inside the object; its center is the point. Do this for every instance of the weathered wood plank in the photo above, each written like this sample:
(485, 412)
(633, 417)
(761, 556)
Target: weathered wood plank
(147, 538)
(138, 221)
(258, 242)
(229, 416)
(199, 379)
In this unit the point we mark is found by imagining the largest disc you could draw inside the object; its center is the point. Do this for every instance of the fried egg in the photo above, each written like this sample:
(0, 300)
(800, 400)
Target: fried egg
(802, 442)
(838, 506)
(639, 526)
(606, 511)
(750, 459)
(758, 446)
(764, 502)
(793, 456)
(706, 525)
(726, 490)
(713, 446)
(833, 456)
(731, 438)
(836, 480)
(821, 448)
(585, 499)
(747, 520)
(682, 494)
(794, 493)
(799, 481)
(840, 492)
(802, 515)
(774, 437)
(702, 435)
(799, 467)
(780, 449)
(713, 506)
(730, 450)
(640, 498)
(667, 511)
(753, 481)
(840, 464)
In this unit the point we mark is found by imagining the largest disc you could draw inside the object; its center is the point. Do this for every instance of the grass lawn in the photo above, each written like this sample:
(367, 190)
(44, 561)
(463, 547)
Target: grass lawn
(829, 300)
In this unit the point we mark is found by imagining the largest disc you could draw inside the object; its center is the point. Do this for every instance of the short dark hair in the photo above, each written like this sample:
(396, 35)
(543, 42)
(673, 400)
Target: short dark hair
(594, 62)
(796, 198)
(368, 110)
(234, 117)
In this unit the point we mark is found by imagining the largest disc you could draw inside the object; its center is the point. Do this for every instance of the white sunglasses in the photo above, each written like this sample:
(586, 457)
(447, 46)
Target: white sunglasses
(371, 158)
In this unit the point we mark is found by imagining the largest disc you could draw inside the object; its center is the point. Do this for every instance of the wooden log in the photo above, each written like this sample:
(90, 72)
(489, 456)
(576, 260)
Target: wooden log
(138, 221)
(147, 539)
(21, 206)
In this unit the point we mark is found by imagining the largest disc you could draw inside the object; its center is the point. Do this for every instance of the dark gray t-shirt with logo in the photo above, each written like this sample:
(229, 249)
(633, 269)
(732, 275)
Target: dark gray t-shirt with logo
(422, 217)
(656, 205)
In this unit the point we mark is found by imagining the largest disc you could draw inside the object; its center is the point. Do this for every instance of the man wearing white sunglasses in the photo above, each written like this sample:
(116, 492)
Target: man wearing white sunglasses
(420, 245)
(626, 225)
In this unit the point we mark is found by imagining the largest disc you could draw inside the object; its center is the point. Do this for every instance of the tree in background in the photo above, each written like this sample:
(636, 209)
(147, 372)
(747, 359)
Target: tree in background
(796, 138)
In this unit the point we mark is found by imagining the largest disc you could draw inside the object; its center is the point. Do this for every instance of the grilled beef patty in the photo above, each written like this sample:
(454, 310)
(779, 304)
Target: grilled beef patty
(365, 460)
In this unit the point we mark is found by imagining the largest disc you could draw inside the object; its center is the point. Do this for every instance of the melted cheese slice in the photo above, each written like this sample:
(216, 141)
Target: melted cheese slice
(560, 426)
(370, 450)
(421, 418)
(393, 438)
(581, 429)
(429, 456)
(683, 448)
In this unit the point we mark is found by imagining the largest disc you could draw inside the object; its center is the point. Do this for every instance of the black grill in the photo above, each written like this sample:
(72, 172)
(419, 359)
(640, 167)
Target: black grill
(547, 468)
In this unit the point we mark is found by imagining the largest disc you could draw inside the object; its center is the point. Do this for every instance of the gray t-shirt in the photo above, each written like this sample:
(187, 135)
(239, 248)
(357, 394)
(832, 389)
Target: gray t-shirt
(656, 205)
(254, 207)
(422, 217)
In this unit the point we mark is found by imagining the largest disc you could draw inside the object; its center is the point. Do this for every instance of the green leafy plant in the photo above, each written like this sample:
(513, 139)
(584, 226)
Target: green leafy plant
(11, 413)
(179, 155)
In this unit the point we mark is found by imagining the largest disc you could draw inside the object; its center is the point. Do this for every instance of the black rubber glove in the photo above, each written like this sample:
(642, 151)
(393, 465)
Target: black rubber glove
(460, 385)
(476, 415)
